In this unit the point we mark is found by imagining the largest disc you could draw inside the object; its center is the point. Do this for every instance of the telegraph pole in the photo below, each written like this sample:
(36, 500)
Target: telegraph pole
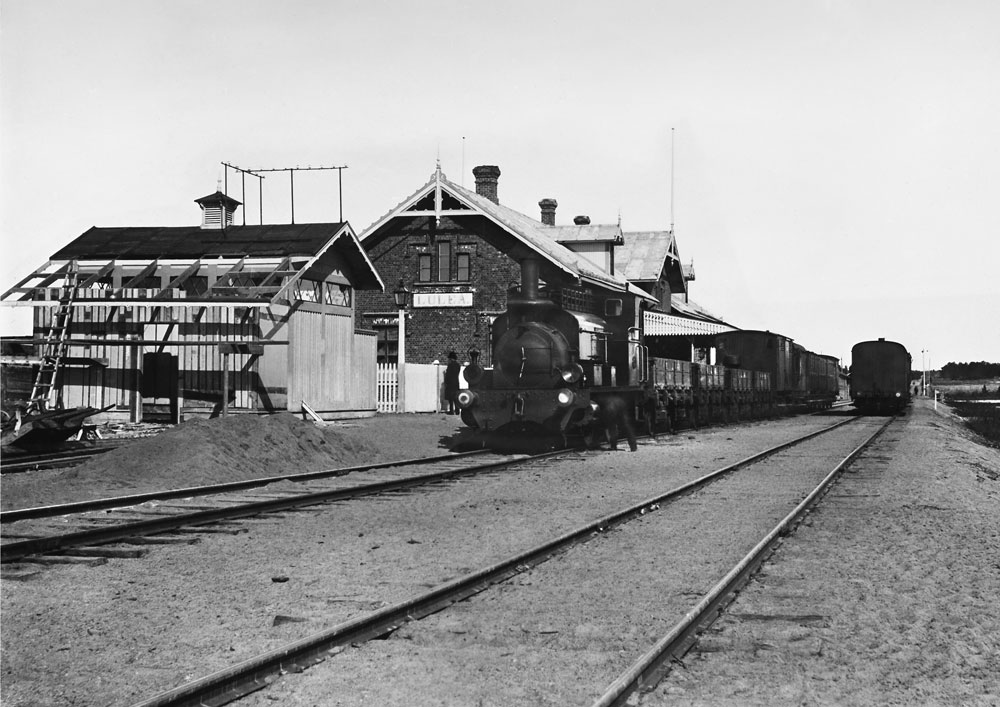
(291, 179)
(243, 194)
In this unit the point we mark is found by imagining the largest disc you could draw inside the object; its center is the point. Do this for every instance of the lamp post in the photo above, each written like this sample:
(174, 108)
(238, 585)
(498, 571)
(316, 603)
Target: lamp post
(402, 297)
(923, 373)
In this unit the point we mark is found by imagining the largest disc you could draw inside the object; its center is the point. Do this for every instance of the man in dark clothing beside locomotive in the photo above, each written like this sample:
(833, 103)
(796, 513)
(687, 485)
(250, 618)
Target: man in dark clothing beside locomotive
(612, 418)
(451, 383)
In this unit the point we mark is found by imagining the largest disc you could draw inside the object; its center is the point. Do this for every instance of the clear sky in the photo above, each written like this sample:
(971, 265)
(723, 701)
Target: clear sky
(836, 163)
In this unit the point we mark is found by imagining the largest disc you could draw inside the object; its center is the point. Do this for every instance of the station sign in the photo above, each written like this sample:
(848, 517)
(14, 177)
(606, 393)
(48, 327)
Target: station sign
(442, 299)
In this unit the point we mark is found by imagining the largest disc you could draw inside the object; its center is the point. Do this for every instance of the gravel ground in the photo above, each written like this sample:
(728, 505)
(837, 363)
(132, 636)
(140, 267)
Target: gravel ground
(110, 634)
(887, 596)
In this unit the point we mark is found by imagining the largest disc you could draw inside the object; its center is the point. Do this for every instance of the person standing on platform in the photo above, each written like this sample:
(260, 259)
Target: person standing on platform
(451, 383)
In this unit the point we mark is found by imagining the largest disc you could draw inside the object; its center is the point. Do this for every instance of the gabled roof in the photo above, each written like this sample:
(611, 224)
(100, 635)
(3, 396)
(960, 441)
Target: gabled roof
(646, 254)
(281, 254)
(144, 242)
(521, 234)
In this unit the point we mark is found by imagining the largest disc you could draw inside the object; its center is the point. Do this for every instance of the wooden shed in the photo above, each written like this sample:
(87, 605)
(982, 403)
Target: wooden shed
(192, 320)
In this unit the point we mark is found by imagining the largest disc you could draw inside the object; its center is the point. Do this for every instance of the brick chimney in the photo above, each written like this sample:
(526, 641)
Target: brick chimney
(548, 207)
(581, 220)
(486, 181)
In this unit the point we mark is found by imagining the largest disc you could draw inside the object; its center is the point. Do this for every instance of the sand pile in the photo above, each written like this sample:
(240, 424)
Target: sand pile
(229, 449)
(200, 452)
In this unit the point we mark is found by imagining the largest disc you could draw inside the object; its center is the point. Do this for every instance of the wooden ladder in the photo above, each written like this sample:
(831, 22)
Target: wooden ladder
(55, 346)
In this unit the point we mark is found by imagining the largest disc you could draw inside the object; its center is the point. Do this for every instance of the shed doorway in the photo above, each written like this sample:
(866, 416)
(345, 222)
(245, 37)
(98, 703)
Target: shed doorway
(160, 388)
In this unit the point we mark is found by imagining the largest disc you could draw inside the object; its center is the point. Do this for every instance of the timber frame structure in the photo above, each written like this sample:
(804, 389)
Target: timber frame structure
(198, 319)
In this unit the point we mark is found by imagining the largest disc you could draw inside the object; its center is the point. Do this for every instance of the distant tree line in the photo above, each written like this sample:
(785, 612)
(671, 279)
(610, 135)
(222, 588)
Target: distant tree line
(970, 371)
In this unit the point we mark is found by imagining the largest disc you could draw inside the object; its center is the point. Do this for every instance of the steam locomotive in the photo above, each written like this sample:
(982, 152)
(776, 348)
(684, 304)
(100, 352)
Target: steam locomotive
(880, 376)
(559, 361)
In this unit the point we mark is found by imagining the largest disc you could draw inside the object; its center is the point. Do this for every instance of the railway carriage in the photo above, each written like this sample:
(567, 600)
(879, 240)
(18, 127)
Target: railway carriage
(880, 376)
(800, 378)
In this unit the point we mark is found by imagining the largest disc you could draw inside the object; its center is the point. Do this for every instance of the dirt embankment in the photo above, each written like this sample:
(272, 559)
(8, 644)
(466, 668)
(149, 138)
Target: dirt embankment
(233, 448)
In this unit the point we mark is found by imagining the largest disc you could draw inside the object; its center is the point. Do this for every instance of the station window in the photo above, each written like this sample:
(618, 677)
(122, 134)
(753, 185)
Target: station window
(463, 262)
(424, 268)
(444, 261)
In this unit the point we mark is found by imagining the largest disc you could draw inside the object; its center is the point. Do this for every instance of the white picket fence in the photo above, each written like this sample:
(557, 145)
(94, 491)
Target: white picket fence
(424, 387)
(387, 388)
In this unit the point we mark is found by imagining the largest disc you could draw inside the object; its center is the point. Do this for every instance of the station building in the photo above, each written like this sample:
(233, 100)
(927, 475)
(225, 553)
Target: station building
(454, 252)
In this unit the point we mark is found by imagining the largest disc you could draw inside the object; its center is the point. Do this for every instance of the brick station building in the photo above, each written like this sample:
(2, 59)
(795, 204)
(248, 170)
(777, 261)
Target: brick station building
(456, 251)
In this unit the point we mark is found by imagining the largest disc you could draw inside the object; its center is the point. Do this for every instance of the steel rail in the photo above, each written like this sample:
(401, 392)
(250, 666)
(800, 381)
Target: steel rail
(652, 666)
(31, 462)
(251, 675)
(98, 536)
(98, 504)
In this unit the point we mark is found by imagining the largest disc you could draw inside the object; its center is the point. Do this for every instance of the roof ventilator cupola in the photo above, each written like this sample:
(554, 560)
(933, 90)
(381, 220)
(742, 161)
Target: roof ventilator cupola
(217, 210)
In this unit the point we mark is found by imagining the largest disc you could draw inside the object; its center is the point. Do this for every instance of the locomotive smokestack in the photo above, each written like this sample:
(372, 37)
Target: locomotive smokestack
(529, 279)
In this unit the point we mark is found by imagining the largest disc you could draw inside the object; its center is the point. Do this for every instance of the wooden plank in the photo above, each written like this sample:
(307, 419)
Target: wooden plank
(142, 275)
(221, 282)
(179, 280)
(310, 412)
(103, 272)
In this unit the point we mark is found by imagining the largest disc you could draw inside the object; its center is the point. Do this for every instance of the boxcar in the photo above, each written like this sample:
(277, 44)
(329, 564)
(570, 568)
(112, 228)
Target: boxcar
(761, 351)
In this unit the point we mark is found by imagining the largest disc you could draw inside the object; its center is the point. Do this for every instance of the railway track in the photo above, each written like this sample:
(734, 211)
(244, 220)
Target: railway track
(21, 462)
(251, 675)
(650, 668)
(65, 527)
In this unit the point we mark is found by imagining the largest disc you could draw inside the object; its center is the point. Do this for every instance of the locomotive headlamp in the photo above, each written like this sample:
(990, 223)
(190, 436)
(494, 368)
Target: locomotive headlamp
(898, 394)
(572, 373)
(466, 399)
(565, 397)
(473, 373)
